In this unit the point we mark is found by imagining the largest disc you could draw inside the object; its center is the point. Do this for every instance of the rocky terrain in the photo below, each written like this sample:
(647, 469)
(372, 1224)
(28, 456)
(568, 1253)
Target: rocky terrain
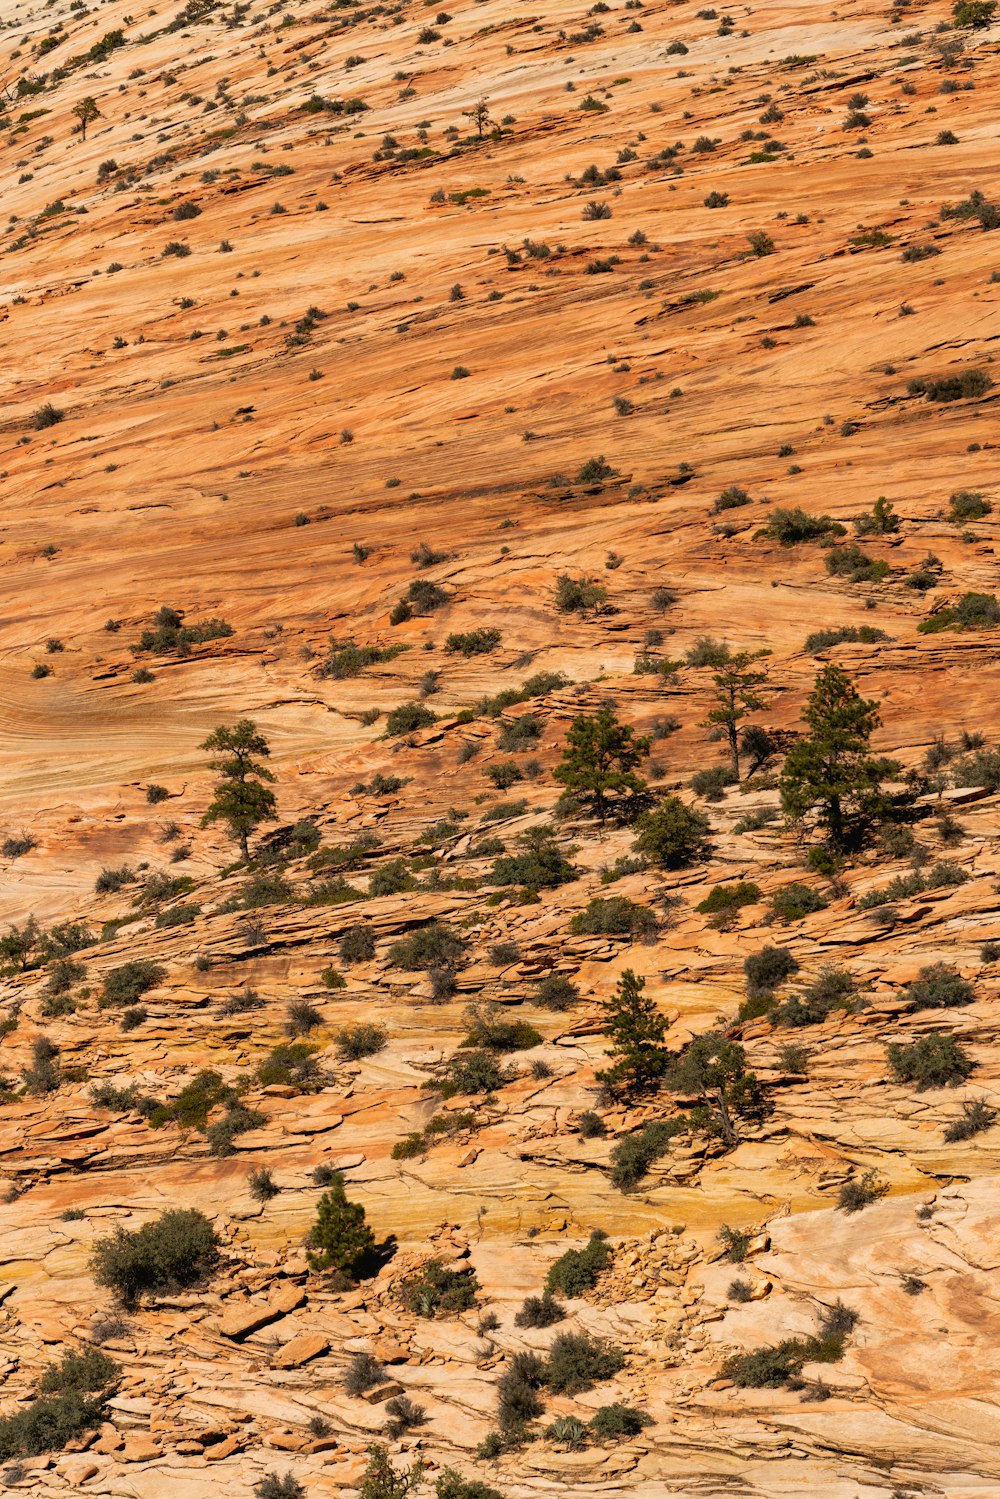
(407, 358)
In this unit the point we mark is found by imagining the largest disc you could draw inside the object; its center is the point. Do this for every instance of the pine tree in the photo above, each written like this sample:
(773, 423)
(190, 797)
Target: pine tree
(340, 1237)
(599, 763)
(830, 770)
(637, 1032)
(241, 799)
(736, 694)
(86, 111)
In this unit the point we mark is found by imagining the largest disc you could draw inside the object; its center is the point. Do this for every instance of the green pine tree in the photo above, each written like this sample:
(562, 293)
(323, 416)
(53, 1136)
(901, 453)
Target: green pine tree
(737, 684)
(340, 1237)
(637, 1032)
(830, 770)
(241, 799)
(599, 763)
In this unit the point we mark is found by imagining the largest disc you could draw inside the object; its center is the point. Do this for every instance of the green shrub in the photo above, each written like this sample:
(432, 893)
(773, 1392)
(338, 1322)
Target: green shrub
(968, 504)
(437, 1291)
(789, 527)
(861, 1192)
(174, 1251)
(633, 1155)
(977, 1116)
(615, 917)
(490, 1029)
(766, 969)
(554, 992)
(290, 1064)
(474, 643)
(432, 946)
(938, 986)
(969, 385)
(170, 636)
(408, 718)
(363, 1373)
(275, 1486)
(578, 595)
(725, 898)
(129, 982)
(451, 1485)
(346, 659)
(711, 782)
(539, 1311)
(735, 1242)
(673, 834)
(80, 1373)
(793, 902)
(468, 1073)
(610, 1423)
(832, 989)
(577, 1270)
(361, 1040)
(518, 1401)
(933, 1061)
(855, 565)
(822, 640)
(540, 865)
(577, 1362)
(357, 944)
(974, 611)
(776, 1365)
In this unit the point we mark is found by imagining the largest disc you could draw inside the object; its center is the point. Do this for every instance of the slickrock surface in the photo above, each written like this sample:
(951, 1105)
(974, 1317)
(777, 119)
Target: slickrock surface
(374, 330)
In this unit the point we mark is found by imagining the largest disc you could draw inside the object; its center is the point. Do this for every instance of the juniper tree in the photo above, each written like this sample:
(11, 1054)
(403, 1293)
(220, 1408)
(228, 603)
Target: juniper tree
(714, 1069)
(241, 799)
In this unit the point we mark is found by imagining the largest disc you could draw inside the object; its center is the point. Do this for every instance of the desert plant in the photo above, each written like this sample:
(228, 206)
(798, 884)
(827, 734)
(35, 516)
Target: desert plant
(636, 1029)
(577, 1270)
(933, 1061)
(435, 1290)
(340, 1239)
(174, 1251)
(672, 834)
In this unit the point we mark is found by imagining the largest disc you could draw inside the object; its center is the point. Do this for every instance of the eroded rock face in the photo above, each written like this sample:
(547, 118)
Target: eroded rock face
(398, 353)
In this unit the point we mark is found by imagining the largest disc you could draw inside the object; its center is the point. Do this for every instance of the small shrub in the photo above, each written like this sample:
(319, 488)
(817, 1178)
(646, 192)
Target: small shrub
(796, 901)
(938, 986)
(616, 916)
(711, 782)
(633, 1154)
(176, 1250)
(474, 643)
(591, 1126)
(673, 834)
(611, 1423)
(285, 1486)
(577, 1270)
(727, 898)
(362, 1040)
(578, 595)
(934, 1061)
(539, 1311)
(127, 983)
(437, 1291)
(765, 970)
(976, 1117)
(363, 1373)
(789, 527)
(860, 1192)
(407, 719)
(554, 992)
(577, 1362)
